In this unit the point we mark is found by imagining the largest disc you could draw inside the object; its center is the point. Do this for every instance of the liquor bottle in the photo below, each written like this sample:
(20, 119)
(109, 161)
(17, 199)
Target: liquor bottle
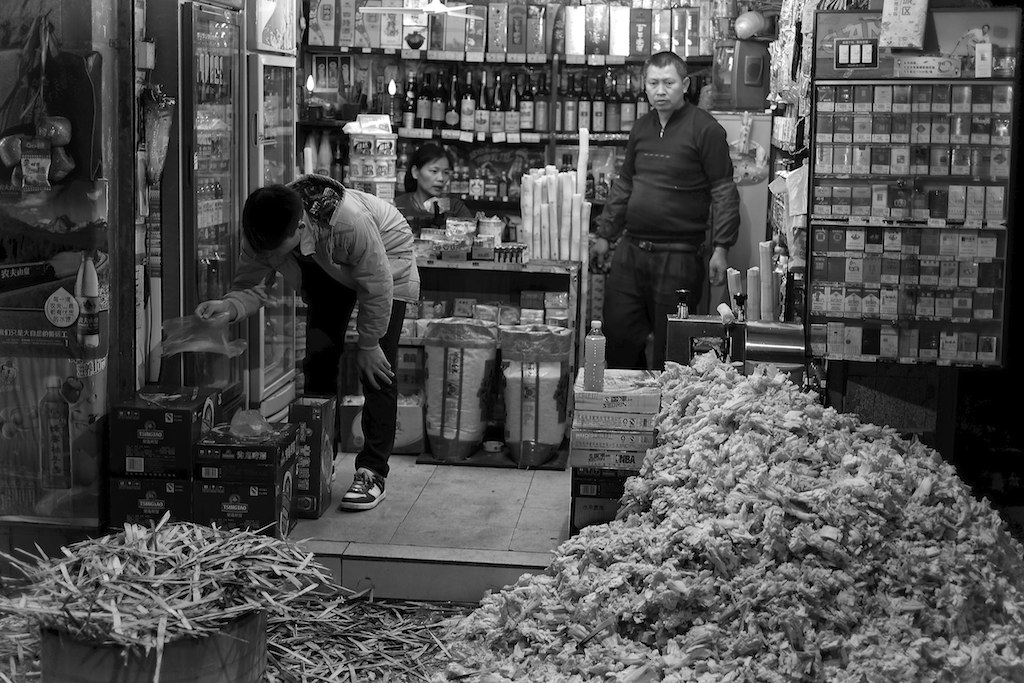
(643, 105)
(453, 110)
(438, 103)
(409, 105)
(526, 110)
(590, 185)
(570, 105)
(601, 189)
(323, 155)
(584, 107)
(54, 438)
(559, 106)
(498, 106)
(540, 105)
(593, 358)
(423, 99)
(628, 107)
(597, 109)
(309, 153)
(468, 107)
(476, 184)
(512, 118)
(482, 121)
(338, 163)
(613, 108)
(87, 291)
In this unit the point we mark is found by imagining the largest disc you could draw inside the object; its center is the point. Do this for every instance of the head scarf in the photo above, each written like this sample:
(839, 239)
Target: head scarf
(320, 195)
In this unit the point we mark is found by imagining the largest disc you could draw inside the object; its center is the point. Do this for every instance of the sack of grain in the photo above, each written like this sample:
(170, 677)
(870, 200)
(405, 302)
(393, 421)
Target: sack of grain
(460, 355)
(535, 366)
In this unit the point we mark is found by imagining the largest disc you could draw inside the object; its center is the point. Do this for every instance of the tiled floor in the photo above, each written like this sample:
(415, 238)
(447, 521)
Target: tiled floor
(444, 532)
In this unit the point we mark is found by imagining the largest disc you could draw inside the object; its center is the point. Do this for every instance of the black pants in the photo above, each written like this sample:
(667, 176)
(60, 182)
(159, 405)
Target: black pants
(640, 293)
(329, 308)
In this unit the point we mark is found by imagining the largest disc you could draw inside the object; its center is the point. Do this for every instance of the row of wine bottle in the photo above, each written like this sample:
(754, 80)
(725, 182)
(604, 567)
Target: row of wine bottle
(505, 106)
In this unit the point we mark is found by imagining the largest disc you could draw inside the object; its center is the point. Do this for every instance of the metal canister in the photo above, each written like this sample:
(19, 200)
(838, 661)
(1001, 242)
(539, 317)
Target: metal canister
(682, 303)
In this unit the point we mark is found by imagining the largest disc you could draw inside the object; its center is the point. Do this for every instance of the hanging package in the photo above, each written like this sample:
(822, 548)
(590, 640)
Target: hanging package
(460, 356)
(535, 365)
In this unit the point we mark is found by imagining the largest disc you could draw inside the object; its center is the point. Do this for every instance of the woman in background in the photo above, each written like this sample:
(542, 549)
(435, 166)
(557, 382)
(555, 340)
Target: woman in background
(425, 202)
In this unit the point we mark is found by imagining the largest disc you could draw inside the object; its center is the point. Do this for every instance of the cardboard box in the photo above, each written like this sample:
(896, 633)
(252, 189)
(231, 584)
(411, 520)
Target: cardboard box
(640, 32)
(346, 22)
(154, 433)
(246, 505)
(314, 417)
(410, 372)
(139, 500)
(608, 458)
(536, 31)
(497, 27)
(414, 26)
(455, 34)
(598, 482)
(619, 30)
(634, 391)
(391, 26)
(601, 419)
(588, 511)
(596, 40)
(575, 30)
(661, 30)
(223, 456)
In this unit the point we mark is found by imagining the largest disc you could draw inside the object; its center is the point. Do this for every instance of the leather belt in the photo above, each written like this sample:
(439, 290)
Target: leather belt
(647, 245)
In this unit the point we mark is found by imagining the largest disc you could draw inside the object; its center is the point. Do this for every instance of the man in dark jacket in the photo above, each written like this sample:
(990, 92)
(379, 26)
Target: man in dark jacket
(341, 247)
(677, 176)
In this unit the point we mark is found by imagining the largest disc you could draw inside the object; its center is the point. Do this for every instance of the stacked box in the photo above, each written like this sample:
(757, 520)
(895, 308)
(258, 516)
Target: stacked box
(314, 454)
(246, 482)
(152, 439)
(373, 161)
(610, 434)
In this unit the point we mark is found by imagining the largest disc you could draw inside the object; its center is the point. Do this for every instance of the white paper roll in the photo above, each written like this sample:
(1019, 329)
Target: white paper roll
(544, 239)
(565, 217)
(582, 162)
(584, 255)
(539, 210)
(735, 281)
(577, 226)
(551, 237)
(753, 293)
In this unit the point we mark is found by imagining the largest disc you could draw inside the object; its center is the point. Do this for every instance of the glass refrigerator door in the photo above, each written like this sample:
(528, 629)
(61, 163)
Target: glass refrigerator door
(272, 103)
(272, 363)
(212, 204)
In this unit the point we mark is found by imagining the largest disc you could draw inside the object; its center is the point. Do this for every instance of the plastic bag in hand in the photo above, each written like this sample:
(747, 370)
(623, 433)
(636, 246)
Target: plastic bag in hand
(198, 335)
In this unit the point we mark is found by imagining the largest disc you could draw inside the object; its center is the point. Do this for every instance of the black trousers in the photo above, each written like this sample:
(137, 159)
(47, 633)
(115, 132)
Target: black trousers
(640, 294)
(329, 306)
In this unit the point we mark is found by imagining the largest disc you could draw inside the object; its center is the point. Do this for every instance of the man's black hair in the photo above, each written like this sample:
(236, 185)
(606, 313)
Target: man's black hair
(660, 60)
(270, 216)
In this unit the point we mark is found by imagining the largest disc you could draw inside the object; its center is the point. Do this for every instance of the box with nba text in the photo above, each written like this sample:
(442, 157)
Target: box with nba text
(625, 391)
(223, 456)
(314, 417)
(154, 433)
(141, 500)
(257, 506)
(612, 459)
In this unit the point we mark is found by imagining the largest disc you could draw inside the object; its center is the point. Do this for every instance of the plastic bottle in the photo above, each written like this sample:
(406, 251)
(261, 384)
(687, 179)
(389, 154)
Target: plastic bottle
(324, 157)
(54, 438)
(593, 358)
(87, 291)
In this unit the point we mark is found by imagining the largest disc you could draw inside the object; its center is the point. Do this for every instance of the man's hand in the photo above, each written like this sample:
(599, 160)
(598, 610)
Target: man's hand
(214, 308)
(717, 266)
(598, 249)
(374, 367)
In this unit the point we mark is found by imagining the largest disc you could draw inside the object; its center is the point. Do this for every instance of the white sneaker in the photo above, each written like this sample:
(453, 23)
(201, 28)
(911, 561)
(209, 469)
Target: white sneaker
(366, 491)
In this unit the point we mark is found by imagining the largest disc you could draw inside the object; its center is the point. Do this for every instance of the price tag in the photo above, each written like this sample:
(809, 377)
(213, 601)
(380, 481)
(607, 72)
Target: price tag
(575, 59)
(517, 58)
(481, 136)
(411, 54)
(495, 57)
(971, 224)
(530, 137)
(405, 132)
(390, 51)
(513, 139)
(595, 60)
(615, 60)
(536, 58)
(343, 48)
(435, 54)
(448, 134)
(498, 137)
(936, 222)
(475, 57)
(876, 220)
(367, 50)
(466, 136)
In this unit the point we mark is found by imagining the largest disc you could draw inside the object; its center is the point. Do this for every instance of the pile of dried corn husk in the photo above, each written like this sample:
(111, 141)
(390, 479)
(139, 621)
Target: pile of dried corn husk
(143, 588)
(766, 539)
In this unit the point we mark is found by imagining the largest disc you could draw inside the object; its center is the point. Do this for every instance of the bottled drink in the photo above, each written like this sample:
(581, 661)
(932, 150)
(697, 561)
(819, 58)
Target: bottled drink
(643, 105)
(309, 153)
(54, 438)
(438, 103)
(87, 291)
(423, 99)
(467, 115)
(570, 104)
(593, 358)
(409, 104)
(482, 122)
(453, 110)
(613, 108)
(584, 107)
(499, 106)
(597, 108)
(540, 105)
(512, 109)
(526, 112)
(628, 107)
(559, 106)
(323, 155)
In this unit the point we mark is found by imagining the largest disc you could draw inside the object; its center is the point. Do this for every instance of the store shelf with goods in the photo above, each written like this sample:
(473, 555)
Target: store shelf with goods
(910, 170)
